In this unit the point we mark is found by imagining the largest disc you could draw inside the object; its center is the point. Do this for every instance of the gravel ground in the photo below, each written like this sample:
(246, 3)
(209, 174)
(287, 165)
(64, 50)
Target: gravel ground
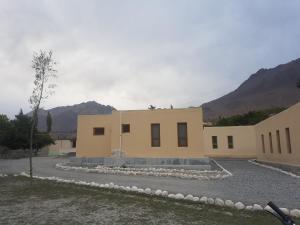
(249, 184)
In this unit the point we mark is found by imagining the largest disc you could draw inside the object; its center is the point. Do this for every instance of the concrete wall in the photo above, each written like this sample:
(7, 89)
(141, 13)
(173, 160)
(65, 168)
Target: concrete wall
(61, 147)
(89, 145)
(289, 118)
(244, 141)
(137, 143)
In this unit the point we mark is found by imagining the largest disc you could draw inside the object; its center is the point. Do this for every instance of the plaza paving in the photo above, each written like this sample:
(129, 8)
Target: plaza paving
(249, 184)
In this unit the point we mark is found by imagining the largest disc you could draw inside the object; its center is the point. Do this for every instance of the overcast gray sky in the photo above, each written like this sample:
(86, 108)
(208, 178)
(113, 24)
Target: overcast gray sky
(132, 53)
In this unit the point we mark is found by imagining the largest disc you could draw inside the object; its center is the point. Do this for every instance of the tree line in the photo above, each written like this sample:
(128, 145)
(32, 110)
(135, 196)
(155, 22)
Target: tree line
(15, 133)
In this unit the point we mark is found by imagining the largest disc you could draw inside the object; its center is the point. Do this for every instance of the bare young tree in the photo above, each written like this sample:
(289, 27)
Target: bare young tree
(43, 65)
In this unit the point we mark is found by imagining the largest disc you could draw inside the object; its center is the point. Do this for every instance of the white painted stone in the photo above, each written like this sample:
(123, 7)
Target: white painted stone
(164, 193)
(148, 191)
(295, 213)
(203, 199)
(140, 190)
(158, 192)
(285, 211)
(106, 185)
(134, 188)
(210, 201)
(257, 207)
(189, 197)
(219, 202)
(196, 199)
(229, 203)
(171, 196)
(179, 196)
(249, 207)
(239, 205)
(111, 185)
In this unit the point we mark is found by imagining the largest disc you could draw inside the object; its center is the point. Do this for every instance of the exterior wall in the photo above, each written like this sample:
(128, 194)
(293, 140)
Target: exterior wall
(289, 118)
(61, 147)
(137, 143)
(244, 141)
(89, 145)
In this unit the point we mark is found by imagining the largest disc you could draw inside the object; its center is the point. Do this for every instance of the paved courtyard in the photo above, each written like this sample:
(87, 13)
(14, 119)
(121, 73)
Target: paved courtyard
(249, 184)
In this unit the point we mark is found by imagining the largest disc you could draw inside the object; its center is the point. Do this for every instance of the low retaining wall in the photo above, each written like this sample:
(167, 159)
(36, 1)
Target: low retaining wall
(187, 163)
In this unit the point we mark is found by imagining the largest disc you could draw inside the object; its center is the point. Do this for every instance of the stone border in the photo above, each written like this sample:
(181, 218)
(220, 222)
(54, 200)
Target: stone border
(254, 162)
(163, 193)
(157, 172)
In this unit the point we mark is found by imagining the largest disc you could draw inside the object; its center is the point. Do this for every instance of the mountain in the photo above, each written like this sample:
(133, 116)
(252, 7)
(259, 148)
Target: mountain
(64, 118)
(267, 88)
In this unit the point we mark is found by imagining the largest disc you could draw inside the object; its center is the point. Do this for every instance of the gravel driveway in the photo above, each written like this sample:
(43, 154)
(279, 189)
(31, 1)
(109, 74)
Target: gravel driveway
(249, 184)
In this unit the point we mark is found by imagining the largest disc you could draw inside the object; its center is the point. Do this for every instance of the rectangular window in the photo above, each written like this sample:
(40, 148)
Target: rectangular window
(288, 140)
(214, 142)
(98, 131)
(278, 141)
(263, 143)
(155, 135)
(182, 134)
(230, 142)
(125, 128)
(271, 142)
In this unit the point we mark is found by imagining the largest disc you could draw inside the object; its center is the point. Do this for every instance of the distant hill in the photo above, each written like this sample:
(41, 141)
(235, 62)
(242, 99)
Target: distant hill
(64, 118)
(267, 88)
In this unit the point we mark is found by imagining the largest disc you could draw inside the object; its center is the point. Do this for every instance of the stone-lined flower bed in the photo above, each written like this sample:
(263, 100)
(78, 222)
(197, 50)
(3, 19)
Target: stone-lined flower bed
(177, 196)
(159, 172)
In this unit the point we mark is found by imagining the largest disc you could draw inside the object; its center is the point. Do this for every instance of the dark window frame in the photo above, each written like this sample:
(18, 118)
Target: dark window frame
(182, 141)
(155, 141)
(288, 140)
(263, 143)
(98, 131)
(214, 140)
(271, 142)
(230, 143)
(278, 141)
(126, 128)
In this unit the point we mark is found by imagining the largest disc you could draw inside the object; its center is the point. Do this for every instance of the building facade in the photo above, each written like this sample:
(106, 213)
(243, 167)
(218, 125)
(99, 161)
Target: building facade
(142, 133)
(179, 133)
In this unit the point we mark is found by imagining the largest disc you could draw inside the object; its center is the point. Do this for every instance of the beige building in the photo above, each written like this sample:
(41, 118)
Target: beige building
(142, 133)
(61, 147)
(179, 133)
(278, 137)
(233, 142)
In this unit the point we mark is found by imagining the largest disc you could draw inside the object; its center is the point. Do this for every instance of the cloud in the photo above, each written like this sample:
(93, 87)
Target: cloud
(130, 54)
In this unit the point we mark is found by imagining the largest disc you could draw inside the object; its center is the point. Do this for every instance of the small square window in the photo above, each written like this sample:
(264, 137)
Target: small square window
(125, 128)
(98, 131)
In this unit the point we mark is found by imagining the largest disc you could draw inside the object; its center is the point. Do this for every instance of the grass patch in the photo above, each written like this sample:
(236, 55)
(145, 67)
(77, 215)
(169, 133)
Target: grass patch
(49, 202)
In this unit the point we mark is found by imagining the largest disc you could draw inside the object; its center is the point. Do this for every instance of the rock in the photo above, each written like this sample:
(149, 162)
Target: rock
(134, 188)
(106, 185)
(285, 211)
(158, 192)
(195, 199)
(164, 193)
(111, 185)
(171, 196)
(229, 203)
(148, 191)
(116, 186)
(219, 202)
(295, 213)
(203, 199)
(189, 197)
(257, 207)
(179, 196)
(239, 205)
(210, 201)
(249, 207)
(140, 190)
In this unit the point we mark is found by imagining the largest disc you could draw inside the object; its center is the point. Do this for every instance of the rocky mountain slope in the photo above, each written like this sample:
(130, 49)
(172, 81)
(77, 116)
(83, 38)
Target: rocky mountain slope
(267, 88)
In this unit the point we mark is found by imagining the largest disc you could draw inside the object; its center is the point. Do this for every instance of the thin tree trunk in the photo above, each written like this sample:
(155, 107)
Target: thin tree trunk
(31, 142)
